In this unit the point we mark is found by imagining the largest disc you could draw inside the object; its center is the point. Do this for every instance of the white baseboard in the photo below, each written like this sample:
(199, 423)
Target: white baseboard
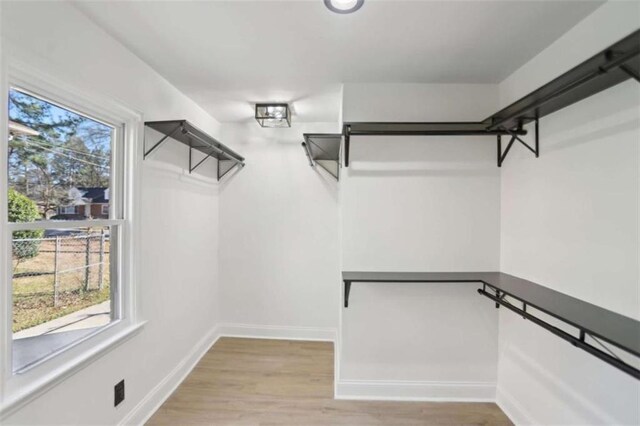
(415, 391)
(345, 389)
(277, 332)
(161, 392)
(514, 410)
(545, 383)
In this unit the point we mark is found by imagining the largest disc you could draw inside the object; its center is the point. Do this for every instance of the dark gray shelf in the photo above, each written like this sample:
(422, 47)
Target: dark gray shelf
(590, 320)
(417, 129)
(323, 149)
(421, 129)
(615, 64)
(416, 277)
(188, 134)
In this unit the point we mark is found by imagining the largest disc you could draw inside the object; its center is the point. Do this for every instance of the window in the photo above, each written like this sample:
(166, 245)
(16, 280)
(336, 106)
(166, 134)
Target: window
(61, 146)
(65, 271)
(68, 210)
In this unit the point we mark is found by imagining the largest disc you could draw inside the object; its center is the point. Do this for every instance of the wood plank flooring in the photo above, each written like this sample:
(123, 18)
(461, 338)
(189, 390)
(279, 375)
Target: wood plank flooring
(281, 382)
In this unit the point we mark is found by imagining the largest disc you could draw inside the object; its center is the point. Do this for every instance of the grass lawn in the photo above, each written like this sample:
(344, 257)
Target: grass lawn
(33, 282)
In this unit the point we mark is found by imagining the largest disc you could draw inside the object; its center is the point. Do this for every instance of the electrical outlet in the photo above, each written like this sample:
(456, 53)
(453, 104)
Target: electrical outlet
(118, 393)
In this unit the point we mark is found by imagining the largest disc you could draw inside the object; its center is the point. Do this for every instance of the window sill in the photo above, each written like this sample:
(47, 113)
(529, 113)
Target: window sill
(51, 378)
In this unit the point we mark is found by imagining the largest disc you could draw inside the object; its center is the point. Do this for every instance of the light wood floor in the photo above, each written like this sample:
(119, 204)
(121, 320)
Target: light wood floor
(280, 382)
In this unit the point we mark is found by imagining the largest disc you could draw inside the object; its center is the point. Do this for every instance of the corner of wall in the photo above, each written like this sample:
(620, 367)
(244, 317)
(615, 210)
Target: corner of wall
(143, 411)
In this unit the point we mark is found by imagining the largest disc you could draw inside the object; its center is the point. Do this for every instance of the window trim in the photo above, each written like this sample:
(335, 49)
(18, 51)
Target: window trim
(117, 172)
(18, 389)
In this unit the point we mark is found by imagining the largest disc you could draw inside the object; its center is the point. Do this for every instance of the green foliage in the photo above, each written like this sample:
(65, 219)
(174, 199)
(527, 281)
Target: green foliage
(22, 209)
(69, 151)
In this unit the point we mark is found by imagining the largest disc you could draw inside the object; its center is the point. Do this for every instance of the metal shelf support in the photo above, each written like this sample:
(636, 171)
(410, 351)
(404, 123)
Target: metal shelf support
(618, 63)
(347, 290)
(595, 325)
(306, 151)
(347, 144)
(160, 142)
(323, 149)
(418, 129)
(184, 132)
(535, 149)
(209, 154)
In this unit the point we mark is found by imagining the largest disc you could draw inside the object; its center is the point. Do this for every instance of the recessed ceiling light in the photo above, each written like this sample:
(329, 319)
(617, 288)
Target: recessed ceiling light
(343, 6)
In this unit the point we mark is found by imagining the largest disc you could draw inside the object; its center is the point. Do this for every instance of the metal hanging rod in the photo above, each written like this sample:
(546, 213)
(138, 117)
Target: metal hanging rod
(417, 129)
(580, 342)
(460, 128)
(599, 324)
(186, 133)
(618, 63)
(213, 149)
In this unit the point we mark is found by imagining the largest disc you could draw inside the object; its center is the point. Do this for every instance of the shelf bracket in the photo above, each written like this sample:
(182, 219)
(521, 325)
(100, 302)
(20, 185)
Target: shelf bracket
(231, 162)
(630, 72)
(347, 290)
(306, 151)
(157, 144)
(514, 137)
(225, 166)
(191, 169)
(185, 133)
(347, 140)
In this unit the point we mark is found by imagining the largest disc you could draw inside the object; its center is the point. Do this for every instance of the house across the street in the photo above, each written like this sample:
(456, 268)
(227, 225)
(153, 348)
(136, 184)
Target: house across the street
(86, 203)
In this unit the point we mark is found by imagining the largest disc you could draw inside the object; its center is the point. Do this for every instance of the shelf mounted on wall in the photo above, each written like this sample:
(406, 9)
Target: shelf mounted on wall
(187, 134)
(585, 325)
(462, 128)
(617, 63)
(323, 149)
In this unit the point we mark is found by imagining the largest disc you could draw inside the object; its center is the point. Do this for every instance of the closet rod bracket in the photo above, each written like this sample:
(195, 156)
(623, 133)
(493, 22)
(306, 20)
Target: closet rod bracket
(580, 342)
(535, 149)
(347, 141)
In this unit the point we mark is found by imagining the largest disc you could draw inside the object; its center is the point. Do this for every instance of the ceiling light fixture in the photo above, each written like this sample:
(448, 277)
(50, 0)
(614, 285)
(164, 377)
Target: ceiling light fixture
(273, 115)
(343, 6)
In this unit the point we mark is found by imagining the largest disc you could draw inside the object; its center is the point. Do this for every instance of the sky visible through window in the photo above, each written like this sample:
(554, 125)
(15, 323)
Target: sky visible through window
(53, 150)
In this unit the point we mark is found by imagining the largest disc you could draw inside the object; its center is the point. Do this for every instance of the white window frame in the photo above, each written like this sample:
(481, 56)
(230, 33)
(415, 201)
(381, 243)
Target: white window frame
(18, 389)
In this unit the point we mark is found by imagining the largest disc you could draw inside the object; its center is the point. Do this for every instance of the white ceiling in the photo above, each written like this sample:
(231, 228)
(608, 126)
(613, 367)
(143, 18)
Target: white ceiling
(227, 55)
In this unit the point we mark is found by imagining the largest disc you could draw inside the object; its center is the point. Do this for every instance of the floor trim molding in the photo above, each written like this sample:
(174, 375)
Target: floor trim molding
(344, 389)
(142, 412)
(415, 391)
(513, 409)
(277, 332)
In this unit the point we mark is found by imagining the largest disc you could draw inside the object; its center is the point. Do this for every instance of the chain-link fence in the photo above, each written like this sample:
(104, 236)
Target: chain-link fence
(57, 275)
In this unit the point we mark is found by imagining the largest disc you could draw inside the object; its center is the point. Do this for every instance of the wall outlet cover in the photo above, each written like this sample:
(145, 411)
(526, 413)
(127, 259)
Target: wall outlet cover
(118, 393)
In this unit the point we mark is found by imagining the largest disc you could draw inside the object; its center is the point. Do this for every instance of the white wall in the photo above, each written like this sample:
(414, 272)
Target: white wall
(178, 217)
(424, 203)
(279, 239)
(284, 231)
(570, 221)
